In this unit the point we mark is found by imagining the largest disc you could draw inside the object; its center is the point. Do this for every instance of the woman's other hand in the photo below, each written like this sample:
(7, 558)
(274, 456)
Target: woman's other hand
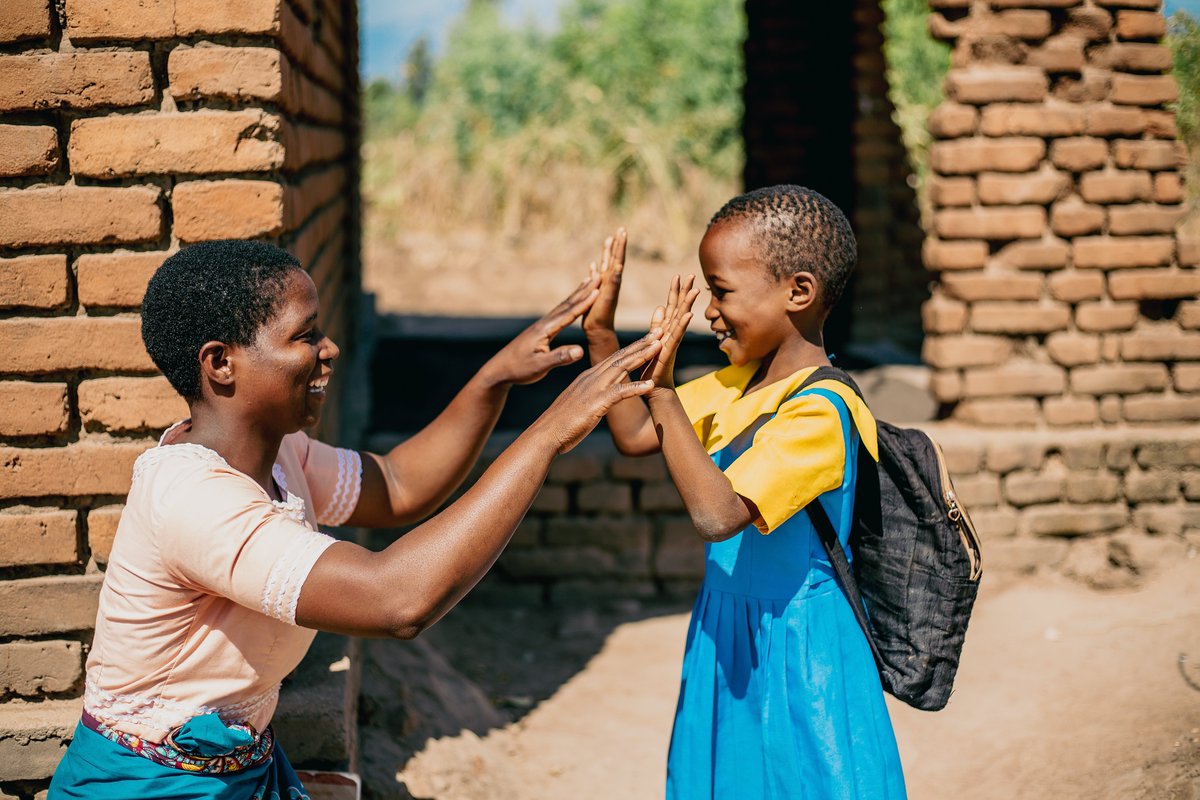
(599, 321)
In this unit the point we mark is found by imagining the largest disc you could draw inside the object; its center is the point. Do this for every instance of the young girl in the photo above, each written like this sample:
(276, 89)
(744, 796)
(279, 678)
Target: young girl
(780, 696)
(218, 576)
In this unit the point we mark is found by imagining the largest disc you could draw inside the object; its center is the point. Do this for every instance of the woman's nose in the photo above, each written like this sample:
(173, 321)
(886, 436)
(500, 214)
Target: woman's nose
(329, 349)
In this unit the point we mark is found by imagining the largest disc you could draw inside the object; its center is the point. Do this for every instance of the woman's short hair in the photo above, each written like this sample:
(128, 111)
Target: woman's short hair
(215, 291)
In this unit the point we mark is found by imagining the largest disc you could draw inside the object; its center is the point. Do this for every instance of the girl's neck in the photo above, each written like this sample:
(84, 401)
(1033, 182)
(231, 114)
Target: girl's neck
(792, 356)
(246, 447)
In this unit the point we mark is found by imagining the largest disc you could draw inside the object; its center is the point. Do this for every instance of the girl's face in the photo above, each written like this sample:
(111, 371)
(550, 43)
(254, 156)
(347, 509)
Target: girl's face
(290, 360)
(748, 310)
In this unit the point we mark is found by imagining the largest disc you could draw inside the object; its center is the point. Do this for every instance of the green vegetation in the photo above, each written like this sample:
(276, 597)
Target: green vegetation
(1183, 35)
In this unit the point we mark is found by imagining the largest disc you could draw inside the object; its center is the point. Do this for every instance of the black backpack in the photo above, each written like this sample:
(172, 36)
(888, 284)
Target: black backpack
(916, 560)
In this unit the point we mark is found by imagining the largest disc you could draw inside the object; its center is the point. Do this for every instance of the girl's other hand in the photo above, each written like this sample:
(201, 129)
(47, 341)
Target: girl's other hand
(673, 320)
(600, 318)
(582, 405)
(528, 357)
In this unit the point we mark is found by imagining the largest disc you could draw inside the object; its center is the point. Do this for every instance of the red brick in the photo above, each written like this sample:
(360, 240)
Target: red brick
(965, 156)
(1042, 187)
(1109, 120)
(1031, 3)
(303, 200)
(33, 409)
(1036, 254)
(942, 315)
(198, 142)
(1188, 315)
(1151, 155)
(59, 215)
(1021, 23)
(1079, 154)
(1118, 252)
(1118, 378)
(1161, 346)
(1014, 380)
(28, 150)
(37, 537)
(130, 404)
(1189, 247)
(1144, 90)
(1148, 218)
(25, 19)
(1116, 186)
(233, 73)
(115, 280)
(102, 529)
(1064, 411)
(306, 97)
(120, 19)
(1073, 349)
(33, 282)
(951, 191)
(305, 145)
(1099, 317)
(1168, 188)
(1073, 217)
(1186, 377)
(952, 352)
(1152, 4)
(1132, 57)
(1071, 287)
(231, 209)
(999, 223)
(1019, 318)
(303, 49)
(998, 412)
(83, 468)
(1059, 54)
(1088, 22)
(946, 387)
(939, 255)
(972, 286)
(1161, 124)
(1161, 408)
(1140, 25)
(1090, 85)
(34, 668)
(1071, 520)
(996, 84)
(1024, 119)
(58, 604)
(56, 344)
(80, 79)
(258, 17)
(951, 120)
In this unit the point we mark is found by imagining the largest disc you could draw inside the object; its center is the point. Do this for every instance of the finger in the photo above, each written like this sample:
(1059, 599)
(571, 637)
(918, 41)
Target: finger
(592, 271)
(606, 254)
(618, 254)
(558, 319)
(623, 391)
(632, 357)
(656, 319)
(559, 356)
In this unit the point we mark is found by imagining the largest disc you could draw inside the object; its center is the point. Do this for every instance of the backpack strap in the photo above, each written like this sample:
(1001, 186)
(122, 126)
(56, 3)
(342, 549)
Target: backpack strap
(828, 534)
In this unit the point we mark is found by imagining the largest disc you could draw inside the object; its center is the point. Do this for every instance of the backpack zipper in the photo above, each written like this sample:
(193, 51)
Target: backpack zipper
(958, 515)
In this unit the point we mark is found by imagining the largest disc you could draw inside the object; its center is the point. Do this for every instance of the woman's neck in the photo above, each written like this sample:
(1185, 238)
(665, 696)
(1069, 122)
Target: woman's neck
(246, 447)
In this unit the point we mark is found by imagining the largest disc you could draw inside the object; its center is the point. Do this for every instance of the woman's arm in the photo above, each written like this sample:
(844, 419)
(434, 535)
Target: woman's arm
(404, 589)
(412, 480)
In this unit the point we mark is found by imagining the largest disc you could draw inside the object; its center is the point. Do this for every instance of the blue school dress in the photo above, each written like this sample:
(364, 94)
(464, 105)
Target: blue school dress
(780, 696)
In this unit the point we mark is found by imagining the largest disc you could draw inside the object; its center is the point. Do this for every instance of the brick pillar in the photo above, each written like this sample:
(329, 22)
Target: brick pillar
(1065, 297)
(131, 128)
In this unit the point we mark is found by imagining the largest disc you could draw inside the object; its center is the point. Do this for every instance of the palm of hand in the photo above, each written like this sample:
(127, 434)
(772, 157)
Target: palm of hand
(529, 356)
(672, 319)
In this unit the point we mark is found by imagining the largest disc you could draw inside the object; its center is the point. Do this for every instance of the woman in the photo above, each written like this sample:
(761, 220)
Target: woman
(218, 577)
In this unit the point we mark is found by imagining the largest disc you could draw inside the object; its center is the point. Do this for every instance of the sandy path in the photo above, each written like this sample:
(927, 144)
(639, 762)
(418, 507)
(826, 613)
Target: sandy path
(1064, 692)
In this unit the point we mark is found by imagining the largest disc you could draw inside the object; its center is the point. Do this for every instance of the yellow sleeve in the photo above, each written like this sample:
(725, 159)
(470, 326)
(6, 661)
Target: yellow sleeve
(795, 457)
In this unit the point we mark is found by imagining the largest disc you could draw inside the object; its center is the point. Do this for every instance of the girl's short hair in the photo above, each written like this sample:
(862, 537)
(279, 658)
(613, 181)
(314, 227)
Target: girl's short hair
(798, 230)
(220, 291)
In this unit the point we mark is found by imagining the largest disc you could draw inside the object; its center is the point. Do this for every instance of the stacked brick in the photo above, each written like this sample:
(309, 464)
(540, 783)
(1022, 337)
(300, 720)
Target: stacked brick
(131, 128)
(1065, 297)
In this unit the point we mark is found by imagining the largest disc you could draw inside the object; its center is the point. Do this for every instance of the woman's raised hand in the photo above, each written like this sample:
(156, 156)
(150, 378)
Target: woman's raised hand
(582, 405)
(600, 319)
(528, 357)
(672, 319)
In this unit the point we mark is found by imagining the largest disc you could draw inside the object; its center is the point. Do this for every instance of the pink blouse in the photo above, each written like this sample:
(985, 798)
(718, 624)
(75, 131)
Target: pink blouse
(198, 608)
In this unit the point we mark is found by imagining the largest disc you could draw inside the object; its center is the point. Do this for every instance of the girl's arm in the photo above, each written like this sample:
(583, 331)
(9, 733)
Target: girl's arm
(717, 511)
(629, 422)
(412, 480)
(404, 589)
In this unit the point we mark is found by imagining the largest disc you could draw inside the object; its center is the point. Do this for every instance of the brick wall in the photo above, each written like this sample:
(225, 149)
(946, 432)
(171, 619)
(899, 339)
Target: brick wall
(131, 128)
(1065, 297)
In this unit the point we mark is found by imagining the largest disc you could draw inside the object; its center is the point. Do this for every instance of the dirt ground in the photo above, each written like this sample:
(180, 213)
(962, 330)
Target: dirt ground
(1064, 692)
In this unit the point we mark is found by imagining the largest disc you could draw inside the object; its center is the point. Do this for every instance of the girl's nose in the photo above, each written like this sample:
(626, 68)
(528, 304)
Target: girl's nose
(710, 310)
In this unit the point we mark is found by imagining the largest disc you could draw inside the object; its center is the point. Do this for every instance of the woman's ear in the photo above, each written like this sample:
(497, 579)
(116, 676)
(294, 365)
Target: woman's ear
(215, 364)
(802, 292)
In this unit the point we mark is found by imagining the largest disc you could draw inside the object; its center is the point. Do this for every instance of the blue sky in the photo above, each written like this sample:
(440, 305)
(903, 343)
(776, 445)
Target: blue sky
(389, 27)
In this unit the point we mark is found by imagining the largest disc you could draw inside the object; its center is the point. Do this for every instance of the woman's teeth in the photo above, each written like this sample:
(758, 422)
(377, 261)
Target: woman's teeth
(318, 386)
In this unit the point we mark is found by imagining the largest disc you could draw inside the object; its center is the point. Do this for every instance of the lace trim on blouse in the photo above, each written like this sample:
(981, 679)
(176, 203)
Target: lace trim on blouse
(282, 590)
(162, 714)
(346, 492)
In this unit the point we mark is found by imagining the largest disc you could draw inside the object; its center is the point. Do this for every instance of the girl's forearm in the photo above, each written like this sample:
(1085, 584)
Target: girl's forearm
(628, 421)
(717, 511)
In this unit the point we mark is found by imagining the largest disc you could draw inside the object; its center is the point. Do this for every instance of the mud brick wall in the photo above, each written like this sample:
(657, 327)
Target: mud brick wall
(1065, 296)
(130, 128)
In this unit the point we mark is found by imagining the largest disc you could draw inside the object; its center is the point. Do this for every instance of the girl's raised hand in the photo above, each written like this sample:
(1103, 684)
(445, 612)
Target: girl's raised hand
(600, 319)
(672, 319)
(528, 357)
(582, 405)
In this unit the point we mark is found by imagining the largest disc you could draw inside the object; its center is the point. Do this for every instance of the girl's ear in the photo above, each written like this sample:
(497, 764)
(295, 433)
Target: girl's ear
(802, 292)
(215, 365)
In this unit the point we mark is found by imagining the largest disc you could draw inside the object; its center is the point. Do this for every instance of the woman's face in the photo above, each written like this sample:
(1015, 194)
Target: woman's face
(290, 360)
